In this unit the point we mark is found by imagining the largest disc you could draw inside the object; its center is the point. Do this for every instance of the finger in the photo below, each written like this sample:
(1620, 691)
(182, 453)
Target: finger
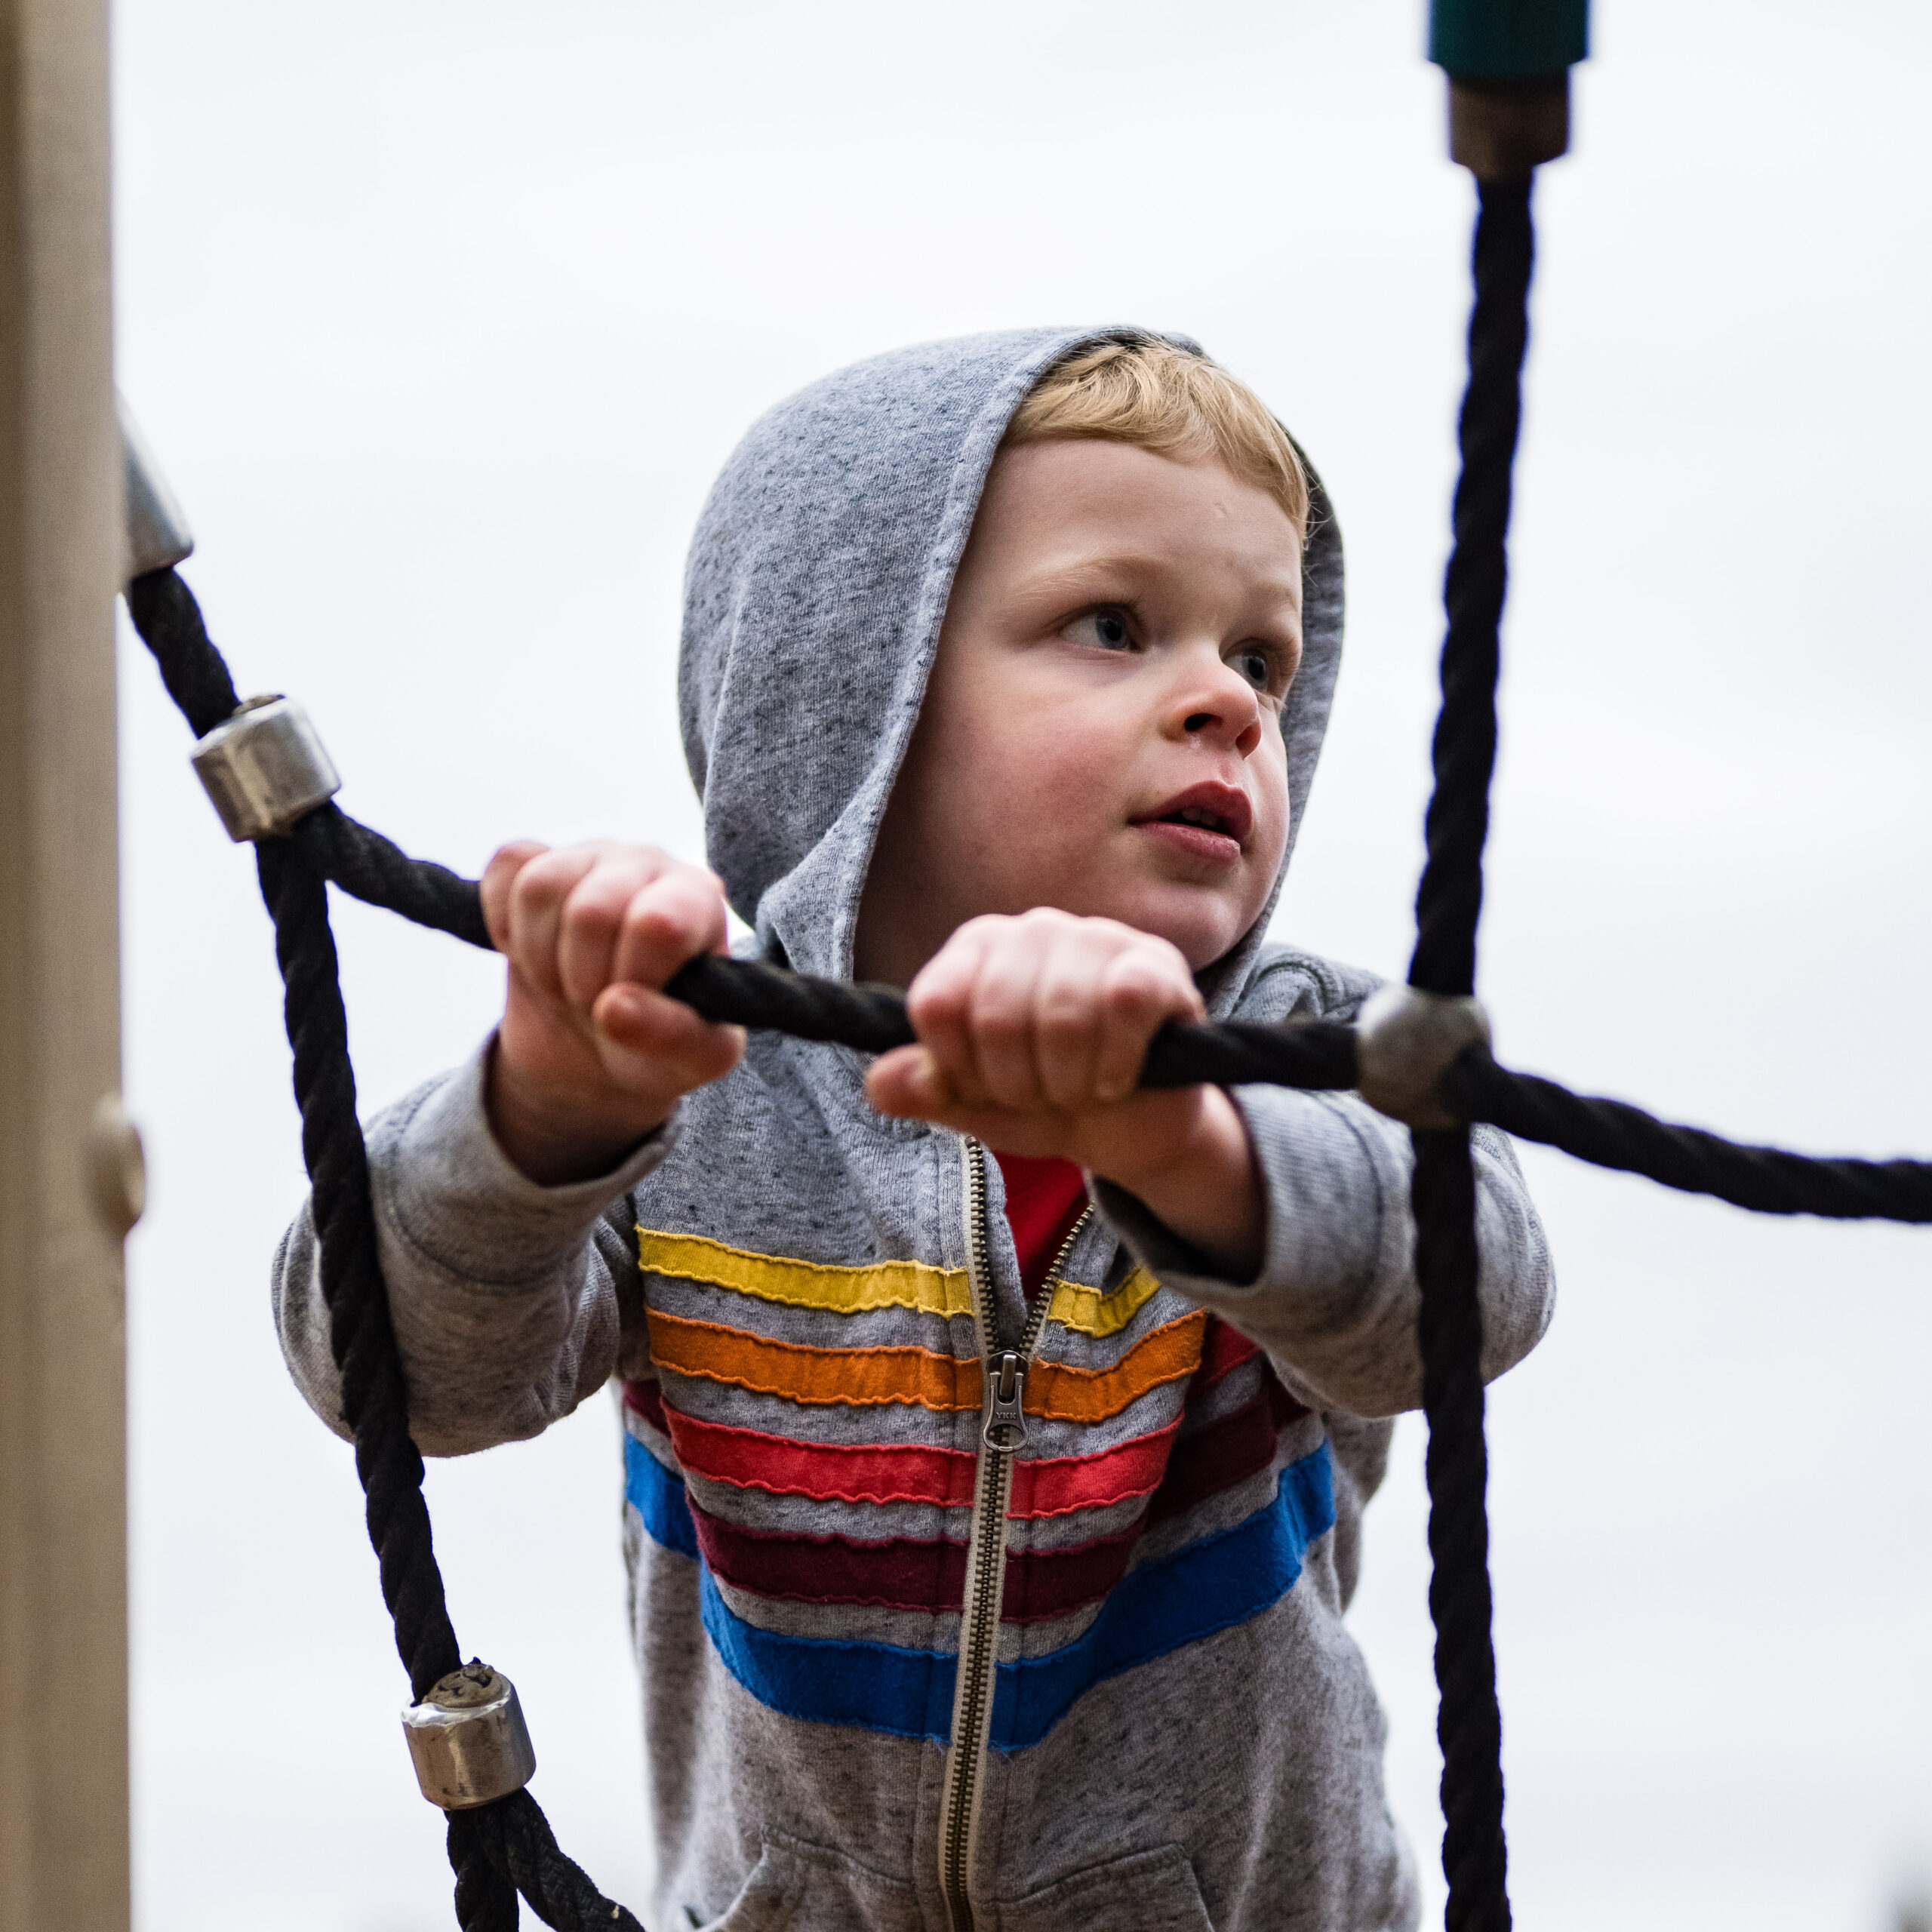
(679, 915)
(1140, 988)
(939, 1001)
(498, 877)
(906, 1082)
(999, 1026)
(1067, 1015)
(537, 896)
(648, 1040)
(594, 915)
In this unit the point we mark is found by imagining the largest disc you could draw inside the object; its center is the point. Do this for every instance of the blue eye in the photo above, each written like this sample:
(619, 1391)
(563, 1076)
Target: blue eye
(1105, 629)
(1254, 665)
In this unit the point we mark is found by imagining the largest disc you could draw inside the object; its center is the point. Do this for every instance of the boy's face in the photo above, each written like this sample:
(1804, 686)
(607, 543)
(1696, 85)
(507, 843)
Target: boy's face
(1102, 731)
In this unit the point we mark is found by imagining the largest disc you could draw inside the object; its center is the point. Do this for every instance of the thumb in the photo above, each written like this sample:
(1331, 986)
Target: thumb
(905, 1083)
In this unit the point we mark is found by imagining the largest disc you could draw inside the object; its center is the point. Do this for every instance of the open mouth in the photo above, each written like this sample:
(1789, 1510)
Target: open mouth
(1197, 815)
(1211, 819)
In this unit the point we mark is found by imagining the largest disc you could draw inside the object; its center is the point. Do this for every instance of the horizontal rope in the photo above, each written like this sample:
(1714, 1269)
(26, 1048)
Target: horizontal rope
(1313, 1056)
(1612, 1134)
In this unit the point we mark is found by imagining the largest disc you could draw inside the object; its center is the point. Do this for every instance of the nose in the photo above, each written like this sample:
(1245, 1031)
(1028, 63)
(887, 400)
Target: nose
(1213, 703)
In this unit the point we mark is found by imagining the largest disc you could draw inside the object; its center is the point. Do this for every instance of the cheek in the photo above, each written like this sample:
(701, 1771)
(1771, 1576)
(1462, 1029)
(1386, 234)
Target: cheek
(1049, 767)
(1271, 817)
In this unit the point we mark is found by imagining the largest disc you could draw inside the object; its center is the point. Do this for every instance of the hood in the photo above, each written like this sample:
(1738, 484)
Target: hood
(817, 581)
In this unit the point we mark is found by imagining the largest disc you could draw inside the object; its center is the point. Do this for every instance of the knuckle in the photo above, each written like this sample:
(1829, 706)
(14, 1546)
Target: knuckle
(998, 1022)
(1065, 1010)
(548, 879)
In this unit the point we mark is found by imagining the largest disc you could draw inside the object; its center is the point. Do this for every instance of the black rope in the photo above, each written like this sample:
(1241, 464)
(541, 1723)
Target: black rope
(1468, 1722)
(1448, 904)
(496, 1850)
(375, 1401)
(1610, 1133)
(368, 867)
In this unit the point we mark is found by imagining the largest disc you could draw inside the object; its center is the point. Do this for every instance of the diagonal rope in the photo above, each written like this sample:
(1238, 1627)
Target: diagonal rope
(496, 1850)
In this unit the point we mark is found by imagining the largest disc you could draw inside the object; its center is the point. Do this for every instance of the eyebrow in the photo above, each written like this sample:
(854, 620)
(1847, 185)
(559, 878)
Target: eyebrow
(1077, 579)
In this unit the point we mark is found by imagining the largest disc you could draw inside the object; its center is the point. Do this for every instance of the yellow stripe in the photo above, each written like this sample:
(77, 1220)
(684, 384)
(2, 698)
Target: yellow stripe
(807, 1283)
(838, 1290)
(1089, 1312)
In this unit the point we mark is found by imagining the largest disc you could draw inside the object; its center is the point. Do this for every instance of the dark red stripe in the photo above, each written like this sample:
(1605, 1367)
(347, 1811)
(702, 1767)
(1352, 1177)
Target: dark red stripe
(1223, 1349)
(1228, 1451)
(903, 1574)
(899, 1574)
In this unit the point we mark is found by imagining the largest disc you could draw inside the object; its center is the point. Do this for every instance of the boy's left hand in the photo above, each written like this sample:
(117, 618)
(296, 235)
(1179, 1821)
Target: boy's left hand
(1031, 1032)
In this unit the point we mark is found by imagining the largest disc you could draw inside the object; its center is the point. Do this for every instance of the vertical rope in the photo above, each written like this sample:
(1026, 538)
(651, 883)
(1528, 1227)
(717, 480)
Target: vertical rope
(1448, 905)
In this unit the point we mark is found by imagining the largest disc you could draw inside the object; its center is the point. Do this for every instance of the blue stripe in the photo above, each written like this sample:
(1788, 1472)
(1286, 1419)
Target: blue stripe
(1205, 1586)
(660, 1498)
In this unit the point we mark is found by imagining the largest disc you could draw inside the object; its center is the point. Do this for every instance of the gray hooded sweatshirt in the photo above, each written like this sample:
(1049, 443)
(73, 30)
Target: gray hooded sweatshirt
(895, 1677)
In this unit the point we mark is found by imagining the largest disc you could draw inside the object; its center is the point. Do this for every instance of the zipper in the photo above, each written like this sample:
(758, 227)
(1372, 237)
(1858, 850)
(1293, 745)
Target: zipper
(1002, 1434)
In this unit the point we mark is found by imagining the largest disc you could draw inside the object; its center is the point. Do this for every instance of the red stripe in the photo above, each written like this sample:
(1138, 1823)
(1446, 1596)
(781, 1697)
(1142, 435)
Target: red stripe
(1056, 1485)
(865, 1472)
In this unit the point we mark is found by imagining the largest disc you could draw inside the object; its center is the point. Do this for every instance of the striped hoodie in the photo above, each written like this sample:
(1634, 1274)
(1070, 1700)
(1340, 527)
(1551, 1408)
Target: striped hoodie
(953, 1610)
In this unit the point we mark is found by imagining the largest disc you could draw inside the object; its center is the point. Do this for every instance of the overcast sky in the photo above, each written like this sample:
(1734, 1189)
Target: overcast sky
(442, 317)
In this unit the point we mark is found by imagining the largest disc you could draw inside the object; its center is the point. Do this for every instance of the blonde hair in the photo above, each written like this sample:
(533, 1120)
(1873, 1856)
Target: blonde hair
(1143, 390)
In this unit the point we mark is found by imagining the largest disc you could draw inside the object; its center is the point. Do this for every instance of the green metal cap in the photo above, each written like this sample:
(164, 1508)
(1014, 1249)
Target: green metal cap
(1507, 40)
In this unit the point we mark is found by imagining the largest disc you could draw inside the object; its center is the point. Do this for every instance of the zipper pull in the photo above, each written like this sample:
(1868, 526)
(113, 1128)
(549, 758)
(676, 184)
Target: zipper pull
(1006, 1390)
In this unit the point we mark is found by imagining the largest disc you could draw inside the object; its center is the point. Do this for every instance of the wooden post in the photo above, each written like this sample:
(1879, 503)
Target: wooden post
(69, 1176)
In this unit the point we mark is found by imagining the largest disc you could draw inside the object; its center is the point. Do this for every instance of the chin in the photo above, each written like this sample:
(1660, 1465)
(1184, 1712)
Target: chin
(1202, 933)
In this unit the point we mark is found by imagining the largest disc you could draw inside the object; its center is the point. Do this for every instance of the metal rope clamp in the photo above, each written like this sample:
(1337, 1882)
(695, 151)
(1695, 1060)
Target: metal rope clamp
(468, 1740)
(264, 766)
(1406, 1040)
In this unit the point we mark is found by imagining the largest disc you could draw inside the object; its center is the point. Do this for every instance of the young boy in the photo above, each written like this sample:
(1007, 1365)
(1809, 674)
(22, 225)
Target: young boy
(995, 1443)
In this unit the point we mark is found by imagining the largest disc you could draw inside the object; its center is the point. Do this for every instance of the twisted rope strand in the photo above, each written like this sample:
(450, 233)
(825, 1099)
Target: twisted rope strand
(1449, 898)
(1611, 1133)
(374, 1399)
(1468, 1722)
(1448, 905)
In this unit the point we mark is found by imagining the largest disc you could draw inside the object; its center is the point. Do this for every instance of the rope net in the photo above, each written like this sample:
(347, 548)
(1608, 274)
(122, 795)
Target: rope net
(504, 1849)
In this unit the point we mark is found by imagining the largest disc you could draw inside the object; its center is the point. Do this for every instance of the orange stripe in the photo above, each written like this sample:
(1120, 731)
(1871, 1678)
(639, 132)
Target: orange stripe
(863, 1377)
(1062, 1393)
(860, 1377)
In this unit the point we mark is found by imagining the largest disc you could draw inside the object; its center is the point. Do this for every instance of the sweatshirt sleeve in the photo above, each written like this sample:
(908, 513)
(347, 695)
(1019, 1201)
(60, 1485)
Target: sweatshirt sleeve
(505, 1295)
(1335, 1302)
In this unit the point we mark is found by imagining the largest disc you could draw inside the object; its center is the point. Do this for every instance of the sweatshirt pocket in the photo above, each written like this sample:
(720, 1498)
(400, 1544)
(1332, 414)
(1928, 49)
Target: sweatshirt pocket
(799, 1888)
(1151, 1891)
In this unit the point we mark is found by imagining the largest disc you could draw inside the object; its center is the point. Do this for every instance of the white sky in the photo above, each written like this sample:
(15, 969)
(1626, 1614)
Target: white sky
(441, 317)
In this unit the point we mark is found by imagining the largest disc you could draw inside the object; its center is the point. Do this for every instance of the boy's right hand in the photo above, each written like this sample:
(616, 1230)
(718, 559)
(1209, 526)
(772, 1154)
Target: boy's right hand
(591, 1056)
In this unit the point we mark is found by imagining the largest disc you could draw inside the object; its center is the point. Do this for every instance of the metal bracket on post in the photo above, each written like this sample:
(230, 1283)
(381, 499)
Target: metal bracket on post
(157, 536)
(266, 765)
(1509, 64)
